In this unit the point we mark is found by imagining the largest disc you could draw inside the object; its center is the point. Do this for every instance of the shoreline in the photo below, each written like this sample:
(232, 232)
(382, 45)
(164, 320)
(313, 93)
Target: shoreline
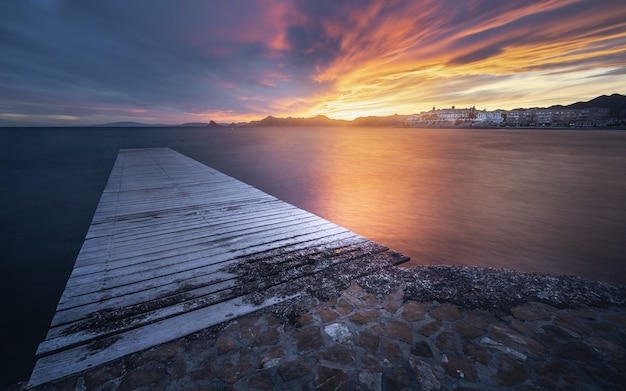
(439, 326)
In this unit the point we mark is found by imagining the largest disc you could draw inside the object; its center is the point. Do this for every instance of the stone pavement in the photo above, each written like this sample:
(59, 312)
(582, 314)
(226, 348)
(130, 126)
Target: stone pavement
(368, 341)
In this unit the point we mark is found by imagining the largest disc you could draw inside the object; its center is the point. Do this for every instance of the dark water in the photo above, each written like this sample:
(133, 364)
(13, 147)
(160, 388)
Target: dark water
(532, 200)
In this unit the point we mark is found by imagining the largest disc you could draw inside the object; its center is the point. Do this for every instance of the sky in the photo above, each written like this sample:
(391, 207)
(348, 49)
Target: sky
(75, 62)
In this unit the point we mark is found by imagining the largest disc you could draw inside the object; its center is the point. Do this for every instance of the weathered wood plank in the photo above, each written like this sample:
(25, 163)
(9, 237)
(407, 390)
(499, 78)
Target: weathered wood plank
(198, 235)
(134, 293)
(177, 217)
(168, 253)
(78, 307)
(191, 262)
(196, 297)
(80, 358)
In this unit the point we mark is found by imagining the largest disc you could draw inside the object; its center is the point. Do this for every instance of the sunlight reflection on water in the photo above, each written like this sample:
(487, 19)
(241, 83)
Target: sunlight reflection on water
(547, 201)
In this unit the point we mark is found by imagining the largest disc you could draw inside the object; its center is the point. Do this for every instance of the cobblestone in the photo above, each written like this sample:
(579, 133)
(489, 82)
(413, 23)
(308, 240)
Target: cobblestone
(384, 342)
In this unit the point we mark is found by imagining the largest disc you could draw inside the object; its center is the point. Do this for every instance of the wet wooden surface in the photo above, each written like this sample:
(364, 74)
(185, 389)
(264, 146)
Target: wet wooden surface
(165, 254)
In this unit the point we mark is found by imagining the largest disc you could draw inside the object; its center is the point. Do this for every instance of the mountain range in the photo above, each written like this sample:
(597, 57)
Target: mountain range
(616, 103)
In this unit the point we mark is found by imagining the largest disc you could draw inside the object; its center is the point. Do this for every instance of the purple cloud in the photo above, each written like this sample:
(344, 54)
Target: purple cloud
(159, 61)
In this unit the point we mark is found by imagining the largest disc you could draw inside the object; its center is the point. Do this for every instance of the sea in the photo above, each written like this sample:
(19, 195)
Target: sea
(534, 200)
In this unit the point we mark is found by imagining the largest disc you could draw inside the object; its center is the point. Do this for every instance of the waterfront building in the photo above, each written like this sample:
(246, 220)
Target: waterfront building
(561, 117)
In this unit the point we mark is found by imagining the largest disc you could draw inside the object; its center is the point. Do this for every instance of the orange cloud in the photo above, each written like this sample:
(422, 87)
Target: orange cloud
(415, 56)
(241, 59)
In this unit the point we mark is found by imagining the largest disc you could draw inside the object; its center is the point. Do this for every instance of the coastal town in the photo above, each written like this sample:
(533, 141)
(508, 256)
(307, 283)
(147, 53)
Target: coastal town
(603, 111)
(552, 117)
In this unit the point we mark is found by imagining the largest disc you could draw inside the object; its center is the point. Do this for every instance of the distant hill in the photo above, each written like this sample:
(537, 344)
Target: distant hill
(123, 124)
(211, 124)
(193, 125)
(393, 120)
(616, 103)
(322, 120)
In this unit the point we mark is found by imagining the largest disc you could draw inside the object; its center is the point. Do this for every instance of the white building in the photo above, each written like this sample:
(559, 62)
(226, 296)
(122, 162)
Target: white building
(492, 117)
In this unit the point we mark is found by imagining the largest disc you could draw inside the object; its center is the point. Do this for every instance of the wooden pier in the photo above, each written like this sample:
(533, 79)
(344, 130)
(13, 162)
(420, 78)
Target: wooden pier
(176, 247)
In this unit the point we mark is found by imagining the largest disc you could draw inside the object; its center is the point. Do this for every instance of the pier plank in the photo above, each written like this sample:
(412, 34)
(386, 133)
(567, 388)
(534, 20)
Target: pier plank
(160, 284)
(166, 256)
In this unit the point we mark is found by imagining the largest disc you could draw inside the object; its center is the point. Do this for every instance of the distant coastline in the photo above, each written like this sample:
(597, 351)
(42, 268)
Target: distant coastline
(605, 112)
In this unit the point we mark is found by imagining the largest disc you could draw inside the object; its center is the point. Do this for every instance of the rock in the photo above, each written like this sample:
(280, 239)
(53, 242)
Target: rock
(225, 343)
(570, 325)
(338, 332)
(236, 367)
(446, 311)
(294, 369)
(604, 349)
(476, 352)
(430, 329)
(370, 301)
(101, 375)
(521, 326)
(600, 327)
(447, 340)
(369, 342)
(488, 342)
(514, 340)
(268, 337)
(414, 311)
(392, 353)
(162, 352)
(327, 315)
(139, 378)
(556, 375)
(355, 301)
(343, 307)
(204, 370)
(425, 374)
(555, 333)
(398, 329)
(393, 301)
(336, 354)
(177, 367)
(305, 320)
(619, 319)
(609, 377)
(480, 318)
(467, 330)
(248, 328)
(371, 381)
(364, 317)
(511, 372)
(504, 334)
(331, 379)
(396, 379)
(533, 311)
(262, 381)
(355, 289)
(422, 349)
(578, 351)
(271, 358)
(371, 364)
(308, 339)
(459, 367)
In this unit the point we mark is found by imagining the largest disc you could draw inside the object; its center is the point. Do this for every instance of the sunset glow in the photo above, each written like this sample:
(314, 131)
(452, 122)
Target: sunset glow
(241, 60)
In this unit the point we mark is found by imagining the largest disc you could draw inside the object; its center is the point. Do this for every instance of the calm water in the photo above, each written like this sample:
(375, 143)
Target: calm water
(533, 200)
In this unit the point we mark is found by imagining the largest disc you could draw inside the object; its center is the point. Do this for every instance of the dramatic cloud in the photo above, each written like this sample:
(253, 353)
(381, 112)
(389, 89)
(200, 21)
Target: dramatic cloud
(90, 61)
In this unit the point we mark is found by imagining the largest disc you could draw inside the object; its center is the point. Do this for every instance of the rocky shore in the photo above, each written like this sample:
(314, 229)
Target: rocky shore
(421, 328)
